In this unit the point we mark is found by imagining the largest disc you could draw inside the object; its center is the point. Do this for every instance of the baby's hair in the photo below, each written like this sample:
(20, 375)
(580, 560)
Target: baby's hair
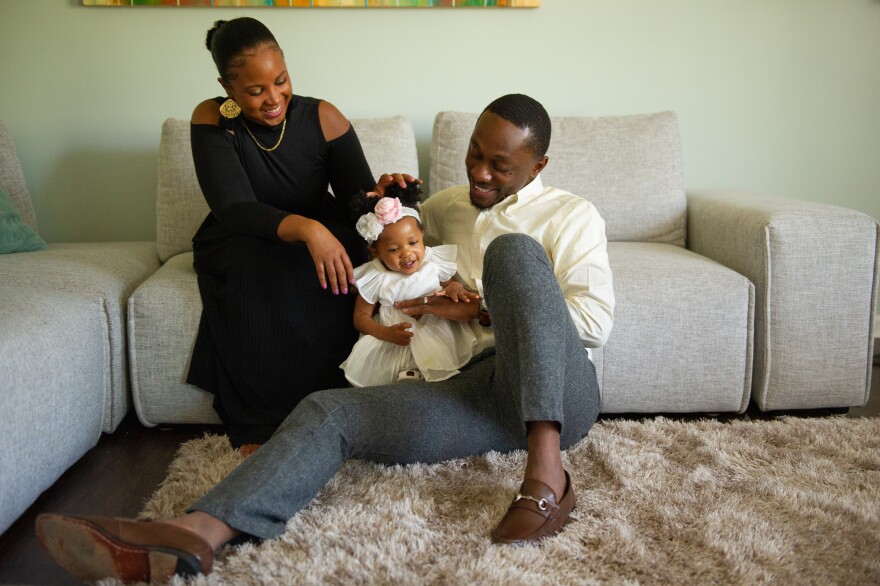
(409, 196)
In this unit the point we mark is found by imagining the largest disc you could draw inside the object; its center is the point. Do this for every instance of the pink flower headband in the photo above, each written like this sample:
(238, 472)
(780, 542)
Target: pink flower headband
(388, 211)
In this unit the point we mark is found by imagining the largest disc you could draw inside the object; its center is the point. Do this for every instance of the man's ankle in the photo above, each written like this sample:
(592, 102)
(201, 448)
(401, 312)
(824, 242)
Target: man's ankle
(544, 461)
(209, 528)
(553, 475)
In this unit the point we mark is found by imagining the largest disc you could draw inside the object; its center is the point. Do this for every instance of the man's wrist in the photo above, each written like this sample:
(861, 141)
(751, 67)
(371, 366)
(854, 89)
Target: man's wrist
(483, 314)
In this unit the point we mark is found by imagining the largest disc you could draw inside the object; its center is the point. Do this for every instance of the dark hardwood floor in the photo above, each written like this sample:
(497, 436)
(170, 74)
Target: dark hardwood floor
(117, 476)
(113, 479)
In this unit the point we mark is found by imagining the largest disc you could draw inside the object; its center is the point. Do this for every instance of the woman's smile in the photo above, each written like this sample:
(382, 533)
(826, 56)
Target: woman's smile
(274, 112)
(262, 86)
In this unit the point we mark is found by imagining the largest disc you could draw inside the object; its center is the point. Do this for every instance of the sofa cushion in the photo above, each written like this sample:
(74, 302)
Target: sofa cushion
(15, 235)
(389, 145)
(682, 337)
(106, 272)
(629, 167)
(12, 179)
(53, 360)
(163, 319)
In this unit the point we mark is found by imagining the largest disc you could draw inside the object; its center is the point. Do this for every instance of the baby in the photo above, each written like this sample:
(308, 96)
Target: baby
(394, 346)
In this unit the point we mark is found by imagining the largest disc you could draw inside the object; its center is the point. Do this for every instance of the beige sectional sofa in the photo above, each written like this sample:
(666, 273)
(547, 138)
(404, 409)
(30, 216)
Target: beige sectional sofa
(719, 296)
(63, 358)
(722, 298)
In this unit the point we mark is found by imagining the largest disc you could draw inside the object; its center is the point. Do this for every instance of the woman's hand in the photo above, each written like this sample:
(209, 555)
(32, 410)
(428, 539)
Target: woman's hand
(331, 260)
(439, 306)
(389, 179)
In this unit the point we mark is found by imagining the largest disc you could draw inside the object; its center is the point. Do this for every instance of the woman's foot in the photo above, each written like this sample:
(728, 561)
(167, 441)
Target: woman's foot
(248, 449)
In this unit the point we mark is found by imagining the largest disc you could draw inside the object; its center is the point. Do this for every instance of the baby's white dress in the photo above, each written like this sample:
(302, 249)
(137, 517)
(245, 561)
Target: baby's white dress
(438, 348)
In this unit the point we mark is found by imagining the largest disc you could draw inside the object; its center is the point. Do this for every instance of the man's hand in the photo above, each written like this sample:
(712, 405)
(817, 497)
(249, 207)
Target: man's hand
(440, 306)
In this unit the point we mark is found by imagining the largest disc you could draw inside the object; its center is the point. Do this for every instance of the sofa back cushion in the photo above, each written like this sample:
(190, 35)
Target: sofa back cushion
(12, 179)
(389, 145)
(629, 167)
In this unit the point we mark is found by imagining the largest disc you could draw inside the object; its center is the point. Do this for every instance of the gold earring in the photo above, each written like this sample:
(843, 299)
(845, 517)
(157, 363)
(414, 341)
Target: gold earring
(230, 109)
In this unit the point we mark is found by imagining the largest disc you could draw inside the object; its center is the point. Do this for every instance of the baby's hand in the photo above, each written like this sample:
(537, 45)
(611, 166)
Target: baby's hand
(398, 334)
(456, 291)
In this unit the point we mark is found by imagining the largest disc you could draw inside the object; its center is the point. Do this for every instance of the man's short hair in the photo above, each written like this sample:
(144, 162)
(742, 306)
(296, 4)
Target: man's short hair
(525, 113)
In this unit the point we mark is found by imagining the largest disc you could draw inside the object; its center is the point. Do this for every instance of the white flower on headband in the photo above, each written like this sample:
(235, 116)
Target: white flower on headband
(388, 211)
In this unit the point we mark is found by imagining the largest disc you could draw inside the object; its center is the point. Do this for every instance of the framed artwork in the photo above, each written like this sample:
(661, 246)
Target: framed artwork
(325, 3)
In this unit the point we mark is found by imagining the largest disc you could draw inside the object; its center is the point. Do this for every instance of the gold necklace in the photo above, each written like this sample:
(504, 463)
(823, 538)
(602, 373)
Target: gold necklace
(277, 144)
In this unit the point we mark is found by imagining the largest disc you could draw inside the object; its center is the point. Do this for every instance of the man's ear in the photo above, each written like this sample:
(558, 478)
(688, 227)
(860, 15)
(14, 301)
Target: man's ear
(539, 166)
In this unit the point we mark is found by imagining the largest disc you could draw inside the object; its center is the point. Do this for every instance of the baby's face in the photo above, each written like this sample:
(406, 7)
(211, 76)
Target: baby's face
(400, 246)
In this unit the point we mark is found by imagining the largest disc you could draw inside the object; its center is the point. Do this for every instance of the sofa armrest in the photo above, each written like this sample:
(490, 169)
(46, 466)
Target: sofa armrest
(106, 272)
(814, 267)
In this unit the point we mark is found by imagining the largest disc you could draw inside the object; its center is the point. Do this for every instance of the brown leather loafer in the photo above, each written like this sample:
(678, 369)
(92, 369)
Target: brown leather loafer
(535, 513)
(92, 548)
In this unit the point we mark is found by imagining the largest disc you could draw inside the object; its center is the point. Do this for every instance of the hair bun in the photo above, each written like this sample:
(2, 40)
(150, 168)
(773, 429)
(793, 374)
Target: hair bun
(217, 26)
(410, 196)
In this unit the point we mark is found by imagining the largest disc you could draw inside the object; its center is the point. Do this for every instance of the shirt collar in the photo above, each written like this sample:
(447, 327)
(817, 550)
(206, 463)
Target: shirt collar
(532, 189)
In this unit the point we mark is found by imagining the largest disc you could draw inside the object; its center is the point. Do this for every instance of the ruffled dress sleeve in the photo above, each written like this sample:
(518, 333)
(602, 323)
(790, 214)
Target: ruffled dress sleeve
(369, 278)
(444, 257)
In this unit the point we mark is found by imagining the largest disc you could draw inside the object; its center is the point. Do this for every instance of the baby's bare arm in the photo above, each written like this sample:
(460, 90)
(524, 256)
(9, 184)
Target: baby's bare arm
(399, 334)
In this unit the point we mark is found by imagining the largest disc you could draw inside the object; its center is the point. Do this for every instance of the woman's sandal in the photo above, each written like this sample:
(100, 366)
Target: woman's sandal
(248, 449)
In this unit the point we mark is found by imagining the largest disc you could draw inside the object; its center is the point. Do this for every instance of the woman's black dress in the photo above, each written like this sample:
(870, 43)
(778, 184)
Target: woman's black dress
(269, 334)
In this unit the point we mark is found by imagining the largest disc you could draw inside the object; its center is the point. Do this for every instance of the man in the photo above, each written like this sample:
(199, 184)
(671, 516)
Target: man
(538, 257)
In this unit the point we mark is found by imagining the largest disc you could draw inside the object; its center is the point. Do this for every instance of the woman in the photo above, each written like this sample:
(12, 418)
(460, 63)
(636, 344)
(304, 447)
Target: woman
(274, 257)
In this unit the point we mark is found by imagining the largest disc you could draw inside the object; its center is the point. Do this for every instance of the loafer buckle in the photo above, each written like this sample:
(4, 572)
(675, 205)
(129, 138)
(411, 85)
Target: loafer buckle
(542, 504)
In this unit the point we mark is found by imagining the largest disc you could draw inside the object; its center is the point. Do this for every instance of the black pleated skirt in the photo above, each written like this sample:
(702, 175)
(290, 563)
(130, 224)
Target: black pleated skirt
(269, 334)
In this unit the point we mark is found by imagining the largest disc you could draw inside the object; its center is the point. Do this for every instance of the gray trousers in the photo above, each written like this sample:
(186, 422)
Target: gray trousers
(538, 372)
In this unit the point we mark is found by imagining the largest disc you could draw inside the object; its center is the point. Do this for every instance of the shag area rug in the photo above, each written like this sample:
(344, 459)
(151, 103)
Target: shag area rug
(660, 501)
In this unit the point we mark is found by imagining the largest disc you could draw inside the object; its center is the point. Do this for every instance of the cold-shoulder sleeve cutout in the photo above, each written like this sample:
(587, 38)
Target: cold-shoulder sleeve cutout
(333, 123)
(208, 112)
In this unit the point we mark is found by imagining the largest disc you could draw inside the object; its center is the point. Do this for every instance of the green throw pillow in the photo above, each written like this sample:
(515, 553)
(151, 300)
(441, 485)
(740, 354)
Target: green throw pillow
(15, 235)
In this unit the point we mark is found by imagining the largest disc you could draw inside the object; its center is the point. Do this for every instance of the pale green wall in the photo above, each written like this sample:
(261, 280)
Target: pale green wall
(778, 96)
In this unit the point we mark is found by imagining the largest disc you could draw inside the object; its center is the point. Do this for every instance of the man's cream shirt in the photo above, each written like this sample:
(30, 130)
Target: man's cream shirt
(569, 229)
